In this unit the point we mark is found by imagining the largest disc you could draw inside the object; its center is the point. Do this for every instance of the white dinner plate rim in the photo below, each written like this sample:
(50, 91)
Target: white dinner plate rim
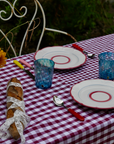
(64, 47)
(95, 107)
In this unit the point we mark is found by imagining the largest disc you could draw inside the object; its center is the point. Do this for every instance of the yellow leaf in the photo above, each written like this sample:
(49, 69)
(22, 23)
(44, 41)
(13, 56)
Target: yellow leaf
(2, 58)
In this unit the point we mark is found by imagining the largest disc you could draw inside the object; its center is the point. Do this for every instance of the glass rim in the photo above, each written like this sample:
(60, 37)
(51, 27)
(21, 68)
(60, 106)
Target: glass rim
(104, 53)
(44, 59)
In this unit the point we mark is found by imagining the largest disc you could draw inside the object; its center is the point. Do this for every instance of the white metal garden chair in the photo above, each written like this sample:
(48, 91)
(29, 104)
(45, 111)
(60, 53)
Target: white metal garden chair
(37, 4)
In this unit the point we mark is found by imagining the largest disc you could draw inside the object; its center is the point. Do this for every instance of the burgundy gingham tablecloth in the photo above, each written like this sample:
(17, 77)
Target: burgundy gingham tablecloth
(51, 124)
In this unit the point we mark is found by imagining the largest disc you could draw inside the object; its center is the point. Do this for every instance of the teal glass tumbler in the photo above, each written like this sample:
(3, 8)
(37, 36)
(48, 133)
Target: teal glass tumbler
(106, 65)
(43, 73)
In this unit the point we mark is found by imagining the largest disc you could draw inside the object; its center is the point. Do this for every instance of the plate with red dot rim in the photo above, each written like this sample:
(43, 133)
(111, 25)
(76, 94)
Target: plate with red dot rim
(64, 57)
(94, 93)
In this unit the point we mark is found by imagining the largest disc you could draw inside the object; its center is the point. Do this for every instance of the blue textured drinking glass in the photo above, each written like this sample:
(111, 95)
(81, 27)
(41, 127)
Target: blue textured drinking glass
(43, 73)
(106, 65)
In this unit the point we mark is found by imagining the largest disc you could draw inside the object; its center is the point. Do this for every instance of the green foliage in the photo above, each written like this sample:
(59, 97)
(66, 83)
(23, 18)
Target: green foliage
(78, 17)
(81, 18)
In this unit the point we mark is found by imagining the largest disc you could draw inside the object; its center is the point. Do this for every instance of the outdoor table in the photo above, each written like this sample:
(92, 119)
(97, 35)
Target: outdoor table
(51, 124)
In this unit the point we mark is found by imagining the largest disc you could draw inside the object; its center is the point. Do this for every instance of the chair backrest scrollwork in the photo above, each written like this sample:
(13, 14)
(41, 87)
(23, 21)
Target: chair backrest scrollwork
(13, 12)
(12, 6)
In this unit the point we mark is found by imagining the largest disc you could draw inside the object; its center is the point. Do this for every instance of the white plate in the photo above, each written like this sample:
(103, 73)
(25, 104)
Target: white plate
(95, 93)
(64, 57)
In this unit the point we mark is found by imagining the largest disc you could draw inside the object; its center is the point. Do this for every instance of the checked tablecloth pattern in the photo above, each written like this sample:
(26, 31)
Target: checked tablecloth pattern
(50, 124)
